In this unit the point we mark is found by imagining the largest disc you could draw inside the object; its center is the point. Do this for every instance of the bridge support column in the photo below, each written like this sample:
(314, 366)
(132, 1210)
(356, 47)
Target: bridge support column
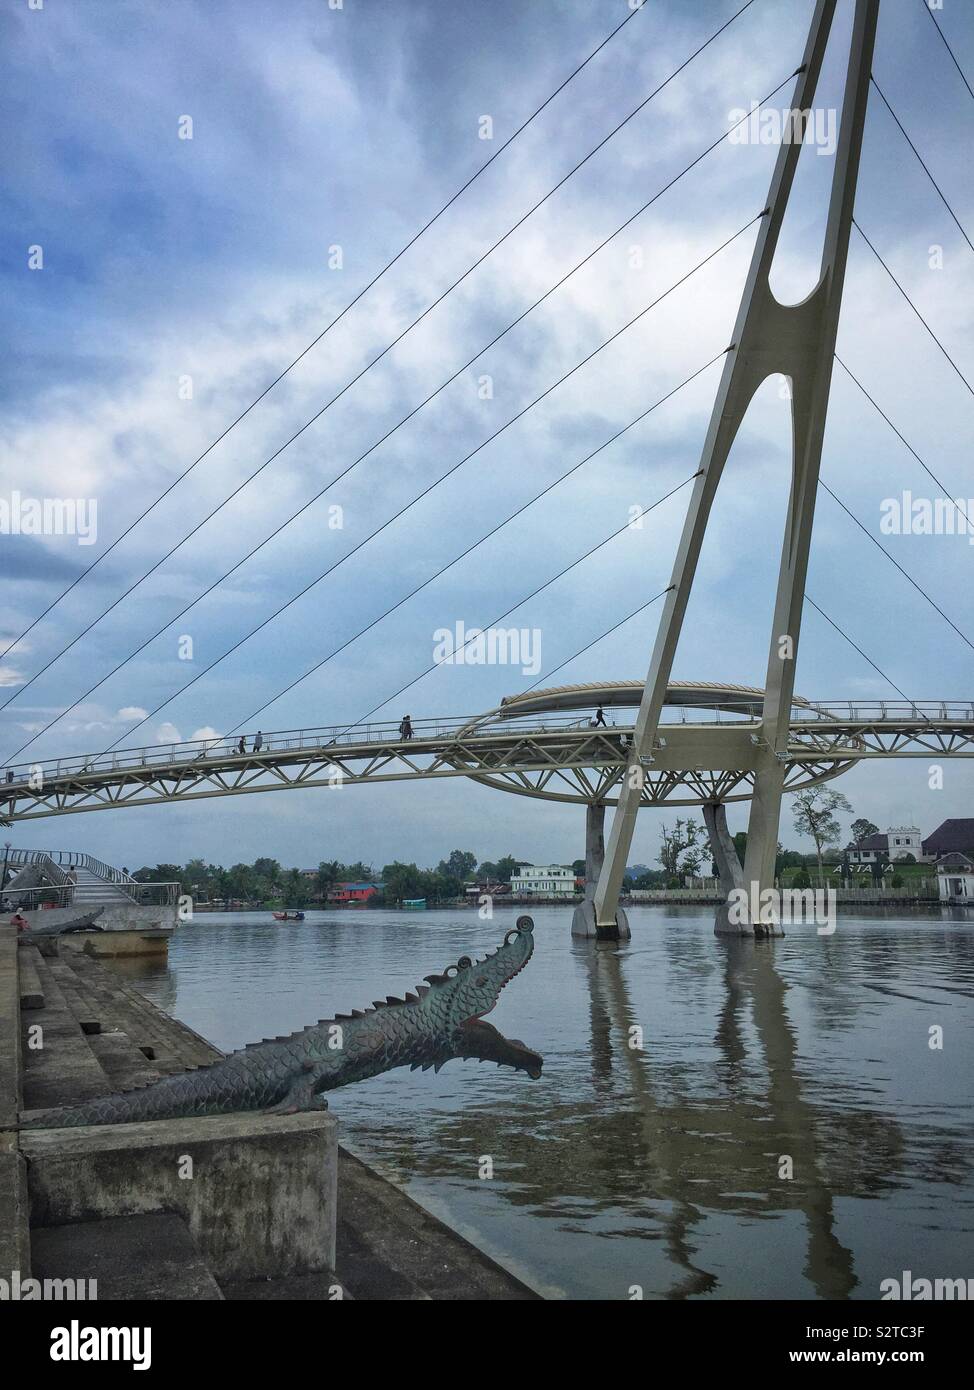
(729, 868)
(583, 920)
(796, 341)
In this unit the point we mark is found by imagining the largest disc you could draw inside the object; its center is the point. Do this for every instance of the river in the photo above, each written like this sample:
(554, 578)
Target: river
(789, 1126)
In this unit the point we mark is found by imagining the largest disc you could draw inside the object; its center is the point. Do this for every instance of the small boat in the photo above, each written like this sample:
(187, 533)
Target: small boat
(414, 904)
(289, 916)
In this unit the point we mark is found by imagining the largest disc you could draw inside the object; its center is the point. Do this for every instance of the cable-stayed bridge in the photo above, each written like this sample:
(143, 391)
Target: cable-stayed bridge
(679, 744)
(547, 745)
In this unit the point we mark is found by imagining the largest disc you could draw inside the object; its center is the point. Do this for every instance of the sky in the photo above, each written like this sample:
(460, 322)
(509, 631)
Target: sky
(195, 193)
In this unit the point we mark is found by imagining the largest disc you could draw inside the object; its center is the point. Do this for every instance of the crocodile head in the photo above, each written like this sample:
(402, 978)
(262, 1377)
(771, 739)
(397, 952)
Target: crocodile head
(483, 1041)
(471, 988)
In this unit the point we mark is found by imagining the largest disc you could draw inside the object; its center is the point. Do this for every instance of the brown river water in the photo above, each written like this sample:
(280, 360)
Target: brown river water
(785, 1129)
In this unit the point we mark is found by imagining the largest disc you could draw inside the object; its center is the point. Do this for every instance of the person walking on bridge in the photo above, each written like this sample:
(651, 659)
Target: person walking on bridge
(406, 728)
(258, 742)
(242, 745)
(599, 721)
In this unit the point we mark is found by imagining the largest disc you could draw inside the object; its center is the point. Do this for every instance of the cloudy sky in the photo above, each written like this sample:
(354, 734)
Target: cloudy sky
(157, 284)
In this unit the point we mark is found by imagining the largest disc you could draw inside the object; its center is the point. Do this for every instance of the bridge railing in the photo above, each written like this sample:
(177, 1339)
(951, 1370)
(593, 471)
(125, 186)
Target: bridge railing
(290, 741)
(64, 895)
(722, 710)
(64, 859)
(877, 711)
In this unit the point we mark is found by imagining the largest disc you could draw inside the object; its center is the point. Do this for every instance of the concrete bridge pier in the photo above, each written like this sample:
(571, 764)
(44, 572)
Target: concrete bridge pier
(731, 875)
(583, 921)
(728, 863)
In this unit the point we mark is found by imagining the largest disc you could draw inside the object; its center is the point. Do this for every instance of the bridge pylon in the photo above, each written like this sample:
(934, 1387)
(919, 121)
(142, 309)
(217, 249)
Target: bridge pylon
(583, 919)
(798, 342)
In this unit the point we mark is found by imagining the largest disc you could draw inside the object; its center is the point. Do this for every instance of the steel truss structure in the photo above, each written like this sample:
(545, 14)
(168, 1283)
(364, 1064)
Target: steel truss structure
(692, 764)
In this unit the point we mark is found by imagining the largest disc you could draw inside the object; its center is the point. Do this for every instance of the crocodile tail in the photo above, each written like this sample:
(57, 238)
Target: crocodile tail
(165, 1099)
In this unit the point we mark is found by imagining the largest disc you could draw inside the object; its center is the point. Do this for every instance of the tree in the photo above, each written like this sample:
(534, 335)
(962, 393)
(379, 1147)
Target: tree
(460, 864)
(222, 885)
(681, 850)
(506, 868)
(357, 872)
(652, 878)
(879, 865)
(789, 859)
(293, 889)
(402, 881)
(162, 873)
(269, 869)
(814, 816)
(499, 872)
(241, 882)
(862, 829)
(451, 874)
(330, 872)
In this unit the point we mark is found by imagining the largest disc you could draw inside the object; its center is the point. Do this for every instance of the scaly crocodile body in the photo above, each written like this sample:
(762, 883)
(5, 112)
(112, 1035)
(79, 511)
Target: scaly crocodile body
(442, 1020)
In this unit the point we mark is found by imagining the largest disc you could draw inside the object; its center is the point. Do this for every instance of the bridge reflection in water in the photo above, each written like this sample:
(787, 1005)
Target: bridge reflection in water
(719, 1156)
(659, 1168)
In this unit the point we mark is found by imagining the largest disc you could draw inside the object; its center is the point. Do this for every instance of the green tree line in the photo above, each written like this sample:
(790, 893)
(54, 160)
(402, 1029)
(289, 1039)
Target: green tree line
(267, 882)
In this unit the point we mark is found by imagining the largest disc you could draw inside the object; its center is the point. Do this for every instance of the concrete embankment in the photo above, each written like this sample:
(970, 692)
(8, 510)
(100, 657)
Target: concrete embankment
(119, 929)
(232, 1206)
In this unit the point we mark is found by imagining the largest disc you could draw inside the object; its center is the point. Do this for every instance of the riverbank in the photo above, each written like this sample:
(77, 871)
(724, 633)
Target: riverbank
(276, 1208)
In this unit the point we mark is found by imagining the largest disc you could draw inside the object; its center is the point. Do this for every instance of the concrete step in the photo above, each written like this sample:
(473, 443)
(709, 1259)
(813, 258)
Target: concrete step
(63, 1069)
(31, 994)
(390, 1248)
(294, 1288)
(117, 1015)
(118, 1011)
(10, 1063)
(14, 1210)
(122, 1062)
(129, 1257)
(87, 1018)
(174, 1046)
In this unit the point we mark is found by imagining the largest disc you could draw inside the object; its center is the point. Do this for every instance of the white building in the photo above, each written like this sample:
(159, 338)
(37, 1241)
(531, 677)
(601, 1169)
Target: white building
(543, 879)
(898, 842)
(955, 880)
(904, 840)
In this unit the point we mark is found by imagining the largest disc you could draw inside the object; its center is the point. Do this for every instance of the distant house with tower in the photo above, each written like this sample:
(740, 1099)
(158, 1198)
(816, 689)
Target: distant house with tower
(898, 842)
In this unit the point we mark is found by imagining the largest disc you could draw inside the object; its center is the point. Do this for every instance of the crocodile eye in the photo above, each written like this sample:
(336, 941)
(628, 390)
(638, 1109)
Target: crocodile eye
(464, 963)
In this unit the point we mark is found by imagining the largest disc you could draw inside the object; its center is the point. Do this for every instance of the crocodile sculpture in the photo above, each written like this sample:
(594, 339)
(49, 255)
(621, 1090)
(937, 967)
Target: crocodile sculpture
(442, 1020)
